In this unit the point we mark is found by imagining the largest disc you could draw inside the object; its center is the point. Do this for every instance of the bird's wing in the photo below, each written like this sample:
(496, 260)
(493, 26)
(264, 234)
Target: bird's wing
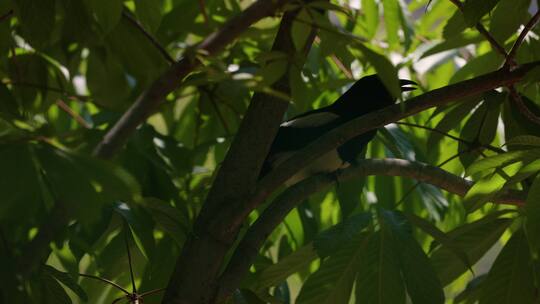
(311, 119)
(301, 130)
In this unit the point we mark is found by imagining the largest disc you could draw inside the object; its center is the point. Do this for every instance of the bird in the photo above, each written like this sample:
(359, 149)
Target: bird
(366, 95)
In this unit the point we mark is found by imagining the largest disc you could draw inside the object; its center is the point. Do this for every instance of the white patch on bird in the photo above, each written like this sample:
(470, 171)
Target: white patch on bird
(328, 162)
(311, 120)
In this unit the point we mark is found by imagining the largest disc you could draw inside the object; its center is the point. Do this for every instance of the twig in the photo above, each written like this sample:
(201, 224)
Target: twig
(290, 198)
(62, 105)
(523, 109)
(202, 6)
(220, 115)
(529, 26)
(432, 130)
(444, 162)
(338, 62)
(489, 147)
(6, 15)
(148, 36)
(380, 118)
(151, 292)
(172, 79)
(47, 88)
(494, 44)
(105, 281)
(126, 229)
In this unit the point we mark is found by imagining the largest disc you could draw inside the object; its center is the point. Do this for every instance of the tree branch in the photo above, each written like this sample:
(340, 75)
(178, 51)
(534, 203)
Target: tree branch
(377, 119)
(145, 105)
(248, 248)
(528, 27)
(126, 14)
(172, 79)
(482, 30)
(194, 279)
(6, 15)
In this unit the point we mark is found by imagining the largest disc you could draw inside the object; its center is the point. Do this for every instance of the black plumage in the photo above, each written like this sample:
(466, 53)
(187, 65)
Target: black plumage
(366, 95)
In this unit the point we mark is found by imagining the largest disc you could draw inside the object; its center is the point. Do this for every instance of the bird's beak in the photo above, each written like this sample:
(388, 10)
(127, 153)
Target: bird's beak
(406, 84)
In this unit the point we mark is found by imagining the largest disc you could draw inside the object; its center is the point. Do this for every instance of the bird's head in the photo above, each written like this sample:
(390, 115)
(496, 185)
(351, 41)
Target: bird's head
(369, 94)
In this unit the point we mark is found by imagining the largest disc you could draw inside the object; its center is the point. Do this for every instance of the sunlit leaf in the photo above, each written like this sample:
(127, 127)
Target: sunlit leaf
(474, 10)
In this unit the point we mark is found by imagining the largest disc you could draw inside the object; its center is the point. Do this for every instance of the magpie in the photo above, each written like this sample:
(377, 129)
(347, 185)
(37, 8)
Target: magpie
(366, 95)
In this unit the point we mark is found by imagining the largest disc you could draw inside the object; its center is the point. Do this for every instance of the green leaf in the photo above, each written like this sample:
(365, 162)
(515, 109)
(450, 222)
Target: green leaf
(69, 183)
(503, 25)
(349, 193)
(339, 235)
(502, 160)
(106, 13)
(67, 280)
(107, 81)
(454, 26)
(450, 120)
(279, 272)
(333, 281)
(370, 19)
(474, 10)
(532, 217)
(273, 71)
(53, 292)
(140, 227)
(524, 140)
(149, 13)
(37, 28)
(453, 42)
(484, 190)
(475, 239)
(440, 237)
(245, 296)
(481, 127)
(511, 278)
(379, 278)
(135, 53)
(423, 285)
(325, 5)
(301, 30)
(16, 161)
(391, 13)
(471, 294)
(385, 70)
(33, 69)
(169, 218)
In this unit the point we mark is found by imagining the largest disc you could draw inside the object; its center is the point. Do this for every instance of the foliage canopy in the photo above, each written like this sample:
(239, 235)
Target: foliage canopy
(132, 133)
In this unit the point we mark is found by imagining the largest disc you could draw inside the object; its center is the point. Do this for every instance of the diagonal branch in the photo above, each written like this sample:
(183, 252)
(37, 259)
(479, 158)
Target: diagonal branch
(528, 27)
(248, 248)
(126, 14)
(336, 137)
(149, 100)
(145, 105)
(482, 30)
(194, 279)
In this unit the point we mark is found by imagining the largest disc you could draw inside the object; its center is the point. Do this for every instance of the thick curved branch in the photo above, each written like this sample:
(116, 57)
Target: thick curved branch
(249, 246)
(374, 120)
(172, 79)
